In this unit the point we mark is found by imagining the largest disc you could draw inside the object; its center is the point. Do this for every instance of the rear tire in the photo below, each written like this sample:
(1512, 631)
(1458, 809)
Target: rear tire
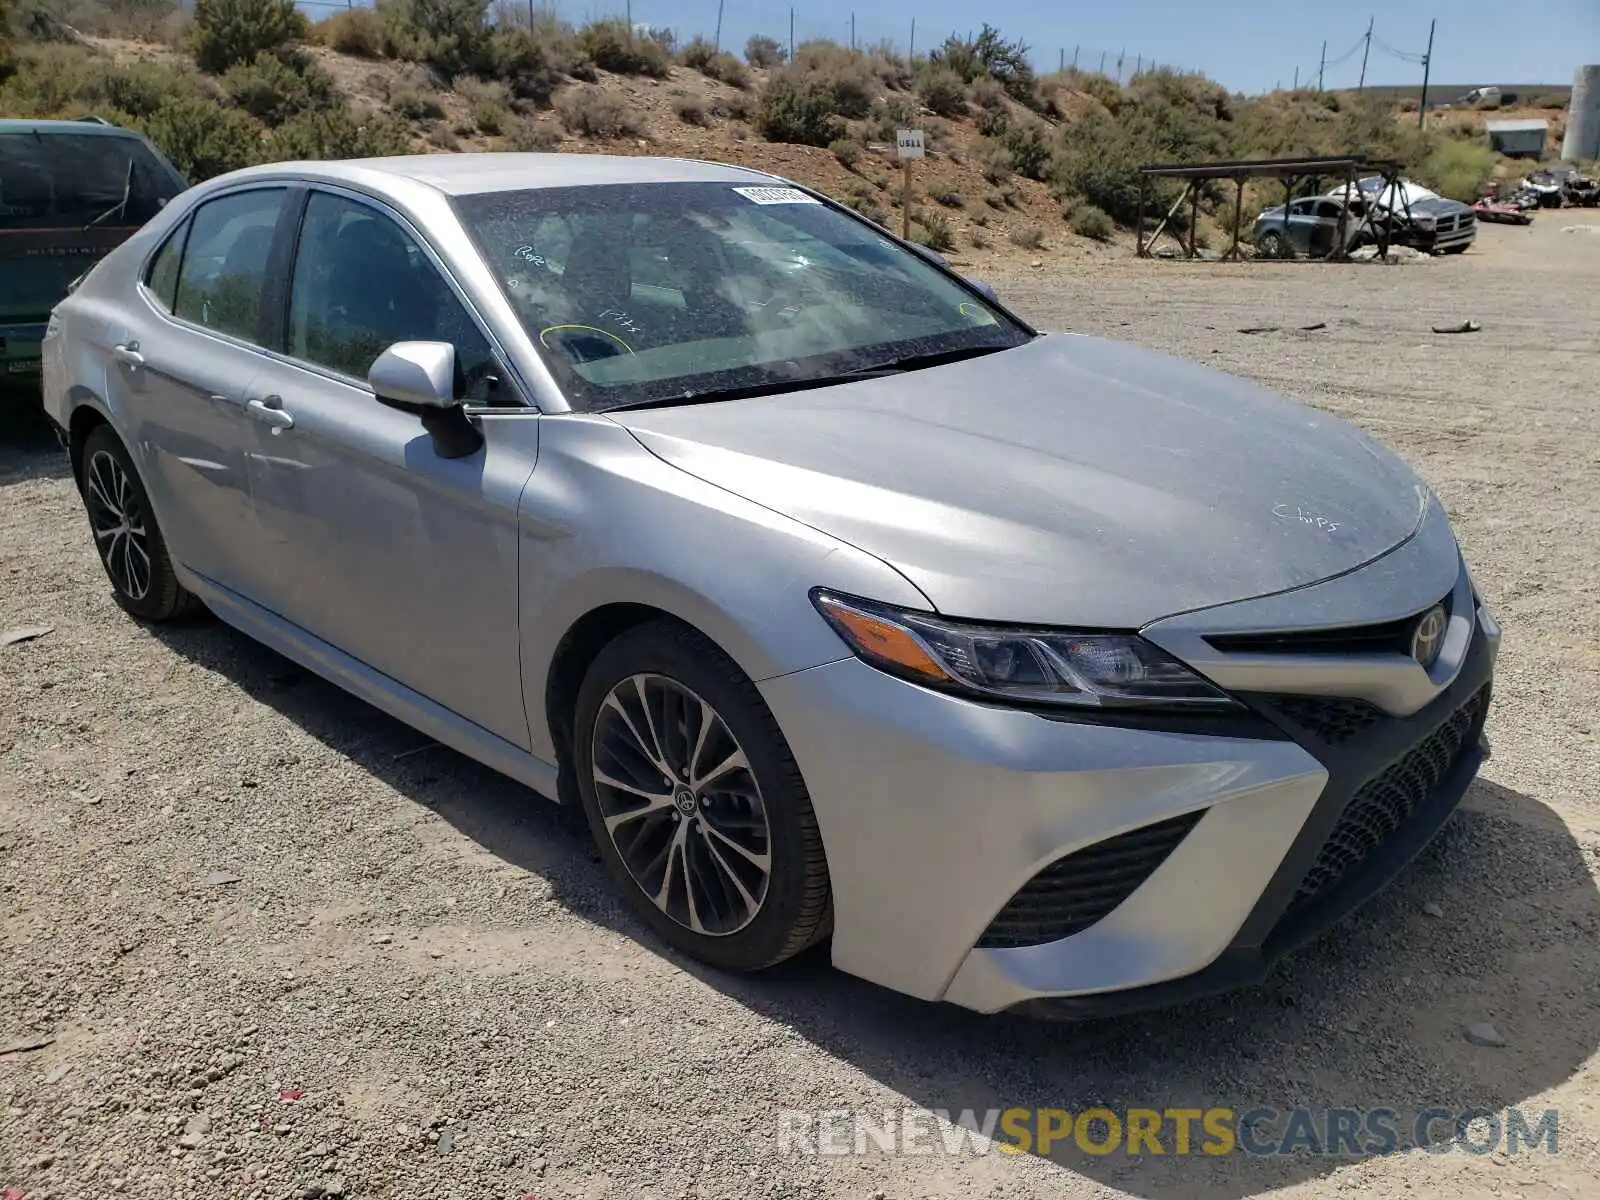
(723, 862)
(1460, 248)
(126, 535)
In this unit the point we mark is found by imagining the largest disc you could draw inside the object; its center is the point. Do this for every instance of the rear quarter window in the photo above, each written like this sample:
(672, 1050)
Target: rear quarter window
(55, 180)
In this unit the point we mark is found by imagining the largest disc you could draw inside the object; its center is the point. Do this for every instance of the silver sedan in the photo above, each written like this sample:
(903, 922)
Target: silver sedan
(1028, 671)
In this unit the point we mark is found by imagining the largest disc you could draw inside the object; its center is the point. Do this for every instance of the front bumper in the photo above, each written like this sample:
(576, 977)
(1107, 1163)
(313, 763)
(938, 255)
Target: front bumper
(939, 813)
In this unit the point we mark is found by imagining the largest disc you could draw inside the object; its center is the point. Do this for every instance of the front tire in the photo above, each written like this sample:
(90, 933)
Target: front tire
(1272, 244)
(696, 803)
(127, 538)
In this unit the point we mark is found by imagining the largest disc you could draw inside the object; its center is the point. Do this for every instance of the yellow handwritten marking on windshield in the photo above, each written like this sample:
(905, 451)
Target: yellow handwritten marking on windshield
(968, 309)
(587, 328)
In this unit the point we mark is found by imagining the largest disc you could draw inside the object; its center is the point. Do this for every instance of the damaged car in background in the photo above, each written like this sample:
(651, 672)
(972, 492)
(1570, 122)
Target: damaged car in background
(1415, 216)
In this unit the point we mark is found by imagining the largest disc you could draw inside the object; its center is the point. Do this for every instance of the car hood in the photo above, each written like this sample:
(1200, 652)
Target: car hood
(1070, 481)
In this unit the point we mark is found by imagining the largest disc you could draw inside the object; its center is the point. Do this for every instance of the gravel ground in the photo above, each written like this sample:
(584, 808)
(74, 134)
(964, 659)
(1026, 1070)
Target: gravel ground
(259, 940)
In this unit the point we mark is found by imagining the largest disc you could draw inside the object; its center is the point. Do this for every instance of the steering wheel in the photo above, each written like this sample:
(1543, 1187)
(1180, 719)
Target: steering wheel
(583, 343)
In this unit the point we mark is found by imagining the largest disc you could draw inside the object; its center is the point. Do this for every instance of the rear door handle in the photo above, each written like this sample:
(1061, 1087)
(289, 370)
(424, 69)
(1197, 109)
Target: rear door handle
(129, 353)
(270, 412)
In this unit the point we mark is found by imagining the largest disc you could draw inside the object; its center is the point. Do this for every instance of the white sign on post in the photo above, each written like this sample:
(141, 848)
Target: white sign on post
(908, 143)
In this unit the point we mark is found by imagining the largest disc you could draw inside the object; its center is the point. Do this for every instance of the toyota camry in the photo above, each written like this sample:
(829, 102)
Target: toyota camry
(1028, 671)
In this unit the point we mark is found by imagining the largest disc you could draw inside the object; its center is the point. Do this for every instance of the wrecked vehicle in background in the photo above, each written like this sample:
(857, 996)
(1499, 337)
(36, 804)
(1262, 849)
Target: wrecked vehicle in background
(1415, 216)
(1581, 191)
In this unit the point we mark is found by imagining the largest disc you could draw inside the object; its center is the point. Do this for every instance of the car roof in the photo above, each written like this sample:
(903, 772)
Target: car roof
(91, 126)
(472, 174)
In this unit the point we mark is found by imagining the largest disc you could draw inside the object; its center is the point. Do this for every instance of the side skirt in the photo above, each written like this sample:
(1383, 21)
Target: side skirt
(377, 689)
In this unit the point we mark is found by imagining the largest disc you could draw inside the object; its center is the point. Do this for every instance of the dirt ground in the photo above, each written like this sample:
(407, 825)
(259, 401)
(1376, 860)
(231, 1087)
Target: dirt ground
(259, 940)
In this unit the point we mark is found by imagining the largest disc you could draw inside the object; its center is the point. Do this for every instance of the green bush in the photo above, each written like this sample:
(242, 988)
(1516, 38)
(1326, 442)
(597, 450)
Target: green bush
(451, 36)
(1104, 89)
(593, 113)
(414, 104)
(356, 31)
(846, 151)
(725, 68)
(763, 52)
(994, 113)
(227, 32)
(1091, 222)
(691, 110)
(1457, 168)
(272, 91)
(849, 77)
(798, 108)
(887, 116)
(203, 138)
(932, 229)
(613, 46)
(534, 136)
(697, 54)
(943, 91)
(993, 158)
(7, 58)
(489, 117)
(1028, 144)
(337, 133)
(990, 56)
(527, 63)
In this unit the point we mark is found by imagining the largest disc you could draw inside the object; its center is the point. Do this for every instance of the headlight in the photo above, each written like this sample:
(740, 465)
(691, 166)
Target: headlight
(1020, 665)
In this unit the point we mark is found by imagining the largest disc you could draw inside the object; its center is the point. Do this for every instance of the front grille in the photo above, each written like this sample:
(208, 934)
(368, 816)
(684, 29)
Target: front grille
(1332, 719)
(1074, 892)
(1390, 637)
(1385, 802)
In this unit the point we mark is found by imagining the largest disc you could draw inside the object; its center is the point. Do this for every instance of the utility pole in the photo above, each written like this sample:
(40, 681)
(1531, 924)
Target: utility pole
(1322, 64)
(1102, 62)
(852, 33)
(1367, 49)
(1075, 50)
(1427, 62)
(1297, 79)
(1061, 61)
(911, 50)
(719, 26)
(791, 33)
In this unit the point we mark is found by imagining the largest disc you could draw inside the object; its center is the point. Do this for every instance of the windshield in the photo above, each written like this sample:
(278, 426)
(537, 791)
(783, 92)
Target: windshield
(653, 293)
(61, 180)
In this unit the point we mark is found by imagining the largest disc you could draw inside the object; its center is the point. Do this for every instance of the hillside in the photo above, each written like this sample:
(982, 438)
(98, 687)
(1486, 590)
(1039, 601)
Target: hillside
(1020, 168)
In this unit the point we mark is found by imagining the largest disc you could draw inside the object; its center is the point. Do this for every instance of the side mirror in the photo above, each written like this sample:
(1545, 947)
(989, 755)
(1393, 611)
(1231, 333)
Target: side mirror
(988, 293)
(420, 378)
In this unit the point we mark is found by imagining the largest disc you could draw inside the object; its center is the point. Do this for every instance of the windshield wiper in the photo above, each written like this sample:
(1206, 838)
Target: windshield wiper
(772, 387)
(916, 362)
(122, 205)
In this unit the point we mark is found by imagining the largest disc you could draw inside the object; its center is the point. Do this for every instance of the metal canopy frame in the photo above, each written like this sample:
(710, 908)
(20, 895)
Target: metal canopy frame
(1345, 167)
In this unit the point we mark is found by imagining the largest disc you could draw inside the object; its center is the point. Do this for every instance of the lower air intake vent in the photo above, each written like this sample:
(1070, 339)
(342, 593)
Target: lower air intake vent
(1333, 719)
(1074, 892)
(1385, 802)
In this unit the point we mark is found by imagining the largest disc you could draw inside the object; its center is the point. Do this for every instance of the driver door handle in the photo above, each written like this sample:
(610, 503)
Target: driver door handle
(269, 411)
(128, 352)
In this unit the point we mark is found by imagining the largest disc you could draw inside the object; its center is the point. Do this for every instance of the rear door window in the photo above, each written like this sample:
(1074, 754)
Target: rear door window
(223, 276)
(55, 180)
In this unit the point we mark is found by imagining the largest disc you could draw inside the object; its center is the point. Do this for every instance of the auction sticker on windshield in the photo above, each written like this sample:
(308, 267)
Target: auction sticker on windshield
(775, 195)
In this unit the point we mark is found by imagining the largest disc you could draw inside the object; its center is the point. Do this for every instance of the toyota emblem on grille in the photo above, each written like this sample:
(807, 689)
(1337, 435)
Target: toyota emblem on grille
(1427, 639)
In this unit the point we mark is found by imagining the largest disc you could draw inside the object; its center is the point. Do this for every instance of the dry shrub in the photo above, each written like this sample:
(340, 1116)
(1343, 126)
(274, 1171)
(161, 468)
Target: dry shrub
(592, 112)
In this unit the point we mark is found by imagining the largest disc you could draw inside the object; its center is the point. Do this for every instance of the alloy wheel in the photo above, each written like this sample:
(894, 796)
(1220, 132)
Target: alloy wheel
(681, 804)
(116, 514)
